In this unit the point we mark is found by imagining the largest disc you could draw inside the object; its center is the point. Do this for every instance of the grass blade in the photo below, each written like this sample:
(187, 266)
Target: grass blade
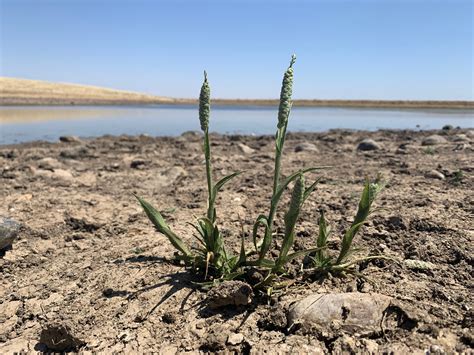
(155, 217)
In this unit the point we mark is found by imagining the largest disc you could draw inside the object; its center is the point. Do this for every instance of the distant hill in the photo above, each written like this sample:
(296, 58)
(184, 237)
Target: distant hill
(34, 92)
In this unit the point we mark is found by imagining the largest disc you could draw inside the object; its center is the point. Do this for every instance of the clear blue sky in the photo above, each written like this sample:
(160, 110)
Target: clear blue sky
(346, 49)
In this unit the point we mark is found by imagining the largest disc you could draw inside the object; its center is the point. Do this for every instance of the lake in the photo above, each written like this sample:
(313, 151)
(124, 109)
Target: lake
(23, 124)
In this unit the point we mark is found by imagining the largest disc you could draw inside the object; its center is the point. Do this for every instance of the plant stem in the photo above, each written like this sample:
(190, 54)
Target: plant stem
(207, 153)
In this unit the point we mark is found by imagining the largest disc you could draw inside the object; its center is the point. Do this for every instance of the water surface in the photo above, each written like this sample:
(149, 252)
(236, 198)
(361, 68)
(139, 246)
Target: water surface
(23, 124)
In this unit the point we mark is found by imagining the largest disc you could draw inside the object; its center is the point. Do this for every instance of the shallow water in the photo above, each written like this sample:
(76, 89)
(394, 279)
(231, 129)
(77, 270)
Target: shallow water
(23, 124)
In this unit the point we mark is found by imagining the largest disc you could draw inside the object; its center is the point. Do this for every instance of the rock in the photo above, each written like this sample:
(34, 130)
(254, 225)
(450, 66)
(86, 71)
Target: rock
(192, 134)
(75, 153)
(8, 232)
(235, 339)
(49, 163)
(447, 127)
(69, 139)
(306, 147)
(470, 133)
(245, 148)
(414, 264)
(368, 144)
(230, 293)
(434, 140)
(60, 337)
(351, 312)
(138, 163)
(460, 138)
(436, 350)
(435, 174)
(62, 174)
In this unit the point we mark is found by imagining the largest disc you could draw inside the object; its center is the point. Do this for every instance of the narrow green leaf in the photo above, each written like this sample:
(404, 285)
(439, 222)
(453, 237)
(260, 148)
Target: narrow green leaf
(155, 217)
(261, 221)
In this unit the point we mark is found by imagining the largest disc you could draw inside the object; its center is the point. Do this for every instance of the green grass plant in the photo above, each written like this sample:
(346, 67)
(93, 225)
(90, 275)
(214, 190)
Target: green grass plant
(322, 260)
(209, 255)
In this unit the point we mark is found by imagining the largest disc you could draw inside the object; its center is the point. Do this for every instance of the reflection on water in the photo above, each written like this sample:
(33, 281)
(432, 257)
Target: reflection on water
(21, 124)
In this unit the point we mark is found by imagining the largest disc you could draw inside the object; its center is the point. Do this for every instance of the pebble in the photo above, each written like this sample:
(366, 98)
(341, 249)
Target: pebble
(460, 138)
(235, 339)
(138, 163)
(436, 349)
(69, 139)
(49, 163)
(245, 148)
(8, 232)
(435, 174)
(434, 140)
(369, 144)
(306, 147)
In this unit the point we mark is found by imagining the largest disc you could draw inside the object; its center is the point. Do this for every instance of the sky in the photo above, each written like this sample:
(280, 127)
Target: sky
(379, 49)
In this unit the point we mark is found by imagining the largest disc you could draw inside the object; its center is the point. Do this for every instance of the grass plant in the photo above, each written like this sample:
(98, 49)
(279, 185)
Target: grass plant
(322, 261)
(210, 257)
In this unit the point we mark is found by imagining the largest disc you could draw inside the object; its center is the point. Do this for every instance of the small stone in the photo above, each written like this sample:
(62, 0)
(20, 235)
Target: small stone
(235, 339)
(69, 139)
(470, 133)
(368, 144)
(245, 148)
(192, 134)
(49, 163)
(138, 163)
(306, 147)
(436, 350)
(75, 153)
(435, 174)
(8, 232)
(62, 175)
(460, 138)
(447, 127)
(434, 140)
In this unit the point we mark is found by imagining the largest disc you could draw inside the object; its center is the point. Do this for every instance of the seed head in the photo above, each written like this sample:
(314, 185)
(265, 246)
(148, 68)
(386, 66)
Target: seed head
(205, 104)
(285, 95)
(297, 199)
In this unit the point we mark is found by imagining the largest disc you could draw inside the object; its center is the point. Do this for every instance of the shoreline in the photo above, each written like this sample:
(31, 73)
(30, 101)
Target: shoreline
(396, 104)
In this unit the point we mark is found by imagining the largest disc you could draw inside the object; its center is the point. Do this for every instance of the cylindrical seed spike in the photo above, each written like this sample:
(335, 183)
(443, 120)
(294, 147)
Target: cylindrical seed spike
(285, 94)
(205, 104)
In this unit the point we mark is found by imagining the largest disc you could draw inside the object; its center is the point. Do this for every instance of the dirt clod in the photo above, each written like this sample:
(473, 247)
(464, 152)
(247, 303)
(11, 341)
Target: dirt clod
(60, 337)
(230, 293)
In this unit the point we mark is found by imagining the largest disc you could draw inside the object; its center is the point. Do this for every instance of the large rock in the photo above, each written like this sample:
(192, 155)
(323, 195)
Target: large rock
(351, 312)
(369, 144)
(434, 140)
(8, 232)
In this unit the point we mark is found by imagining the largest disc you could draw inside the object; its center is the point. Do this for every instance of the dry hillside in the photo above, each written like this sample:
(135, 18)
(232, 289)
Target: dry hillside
(34, 92)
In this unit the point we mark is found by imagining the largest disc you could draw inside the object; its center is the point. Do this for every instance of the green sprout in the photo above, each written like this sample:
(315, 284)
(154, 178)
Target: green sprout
(324, 262)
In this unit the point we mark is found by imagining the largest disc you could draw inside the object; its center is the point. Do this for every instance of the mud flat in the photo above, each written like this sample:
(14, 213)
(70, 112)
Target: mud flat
(87, 270)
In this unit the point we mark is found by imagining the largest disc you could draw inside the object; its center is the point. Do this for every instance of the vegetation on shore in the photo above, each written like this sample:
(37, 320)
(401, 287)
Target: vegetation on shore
(210, 256)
